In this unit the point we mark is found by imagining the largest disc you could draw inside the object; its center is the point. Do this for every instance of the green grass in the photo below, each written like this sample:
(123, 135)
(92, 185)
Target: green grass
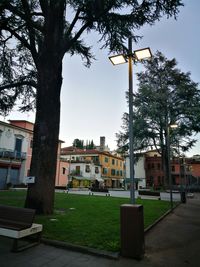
(92, 221)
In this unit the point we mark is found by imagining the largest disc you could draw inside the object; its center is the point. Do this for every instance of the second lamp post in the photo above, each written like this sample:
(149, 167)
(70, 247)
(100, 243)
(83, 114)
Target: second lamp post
(131, 57)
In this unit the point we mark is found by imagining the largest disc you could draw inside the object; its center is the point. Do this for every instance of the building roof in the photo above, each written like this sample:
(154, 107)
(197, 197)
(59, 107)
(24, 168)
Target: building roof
(77, 151)
(24, 125)
(15, 126)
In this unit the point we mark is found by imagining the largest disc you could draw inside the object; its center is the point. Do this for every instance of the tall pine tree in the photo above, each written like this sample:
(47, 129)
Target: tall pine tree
(34, 37)
(165, 96)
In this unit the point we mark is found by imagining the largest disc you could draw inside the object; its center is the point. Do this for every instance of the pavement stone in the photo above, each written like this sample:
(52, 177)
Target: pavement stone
(174, 242)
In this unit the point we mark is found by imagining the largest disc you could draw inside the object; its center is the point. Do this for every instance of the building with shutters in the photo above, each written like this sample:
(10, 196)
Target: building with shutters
(16, 140)
(15, 152)
(111, 166)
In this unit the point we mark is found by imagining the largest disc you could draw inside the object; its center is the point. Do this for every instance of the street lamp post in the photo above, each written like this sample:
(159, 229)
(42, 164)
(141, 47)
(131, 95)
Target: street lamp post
(173, 126)
(169, 168)
(131, 150)
(136, 55)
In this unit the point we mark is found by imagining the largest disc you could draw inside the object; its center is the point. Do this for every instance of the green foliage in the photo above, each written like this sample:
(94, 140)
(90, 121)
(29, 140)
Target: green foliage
(28, 28)
(78, 143)
(165, 96)
(90, 145)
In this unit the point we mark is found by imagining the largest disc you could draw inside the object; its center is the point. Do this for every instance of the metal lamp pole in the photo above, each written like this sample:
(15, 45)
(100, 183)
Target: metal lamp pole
(131, 216)
(169, 167)
(139, 54)
(131, 151)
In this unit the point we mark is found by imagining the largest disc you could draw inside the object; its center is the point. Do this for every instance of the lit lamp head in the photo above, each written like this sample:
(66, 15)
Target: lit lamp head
(118, 59)
(173, 126)
(141, 54)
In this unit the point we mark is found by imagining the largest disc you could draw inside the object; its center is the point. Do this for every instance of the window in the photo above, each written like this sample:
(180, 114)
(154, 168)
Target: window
(151, 180)
(120, 173)
(173, 168)
(152, 165)
(117, 173)
(158, 165)
(105, 159)
(105, 171)
(96, 170)
(78, 170)
(87, 168)
(112, 171)
(31, 143)
(63, 170)
(95, 159)
(18, 145)
(149, 166)
(113, 162)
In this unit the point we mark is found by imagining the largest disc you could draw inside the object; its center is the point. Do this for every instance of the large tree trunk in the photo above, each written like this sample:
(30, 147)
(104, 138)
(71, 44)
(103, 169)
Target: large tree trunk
(166, 168)
(165, 165)
(40, 195)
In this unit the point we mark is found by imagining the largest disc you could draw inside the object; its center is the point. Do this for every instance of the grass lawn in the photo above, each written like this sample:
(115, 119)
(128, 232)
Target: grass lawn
(91, 221)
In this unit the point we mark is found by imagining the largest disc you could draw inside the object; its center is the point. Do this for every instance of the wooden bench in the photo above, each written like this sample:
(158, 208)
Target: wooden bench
(17, 223)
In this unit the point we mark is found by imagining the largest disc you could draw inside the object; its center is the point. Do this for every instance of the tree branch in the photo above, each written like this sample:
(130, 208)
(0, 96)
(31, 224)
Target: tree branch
(17, 84)
(31, 30)
(73, 22)
(68, 43)
(37, 14)
(15, 11)
(44, 7)
(17, 36)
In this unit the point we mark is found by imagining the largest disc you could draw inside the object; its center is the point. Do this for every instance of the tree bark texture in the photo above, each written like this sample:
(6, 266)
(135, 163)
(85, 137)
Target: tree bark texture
(40, 195)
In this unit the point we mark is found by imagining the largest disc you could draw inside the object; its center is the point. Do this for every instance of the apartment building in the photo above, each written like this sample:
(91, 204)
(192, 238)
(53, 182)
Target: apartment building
(184, 171)
(84, 173)
(149, 171)
(111, 166)
(16, 152)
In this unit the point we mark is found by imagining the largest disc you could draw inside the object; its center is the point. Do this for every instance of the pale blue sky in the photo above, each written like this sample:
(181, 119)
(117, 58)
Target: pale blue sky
(93, 100)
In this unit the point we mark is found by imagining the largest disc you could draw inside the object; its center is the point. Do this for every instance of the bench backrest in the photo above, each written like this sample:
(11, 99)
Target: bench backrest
(19, 216)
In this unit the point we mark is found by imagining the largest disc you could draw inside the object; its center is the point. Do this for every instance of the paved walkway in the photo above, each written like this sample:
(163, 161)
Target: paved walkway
(174, 242)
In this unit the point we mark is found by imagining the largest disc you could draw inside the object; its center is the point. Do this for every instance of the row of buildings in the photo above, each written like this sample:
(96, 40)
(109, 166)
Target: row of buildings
(76, 167)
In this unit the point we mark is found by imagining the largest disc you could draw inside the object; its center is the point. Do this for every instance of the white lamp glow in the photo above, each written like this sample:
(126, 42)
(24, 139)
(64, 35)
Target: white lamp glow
(143, 53)
(173, 126)
(118, 59)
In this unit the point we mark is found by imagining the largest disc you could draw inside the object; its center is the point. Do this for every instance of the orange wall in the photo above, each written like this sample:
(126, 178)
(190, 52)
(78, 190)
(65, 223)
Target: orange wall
(62, 178)
(195, 169)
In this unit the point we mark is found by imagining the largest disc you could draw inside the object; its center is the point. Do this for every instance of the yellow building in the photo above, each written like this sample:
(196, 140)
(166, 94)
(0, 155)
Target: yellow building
(112, 166)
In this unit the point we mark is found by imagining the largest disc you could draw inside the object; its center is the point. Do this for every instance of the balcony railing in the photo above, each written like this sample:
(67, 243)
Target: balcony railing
(76, 173)
(12, 154)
